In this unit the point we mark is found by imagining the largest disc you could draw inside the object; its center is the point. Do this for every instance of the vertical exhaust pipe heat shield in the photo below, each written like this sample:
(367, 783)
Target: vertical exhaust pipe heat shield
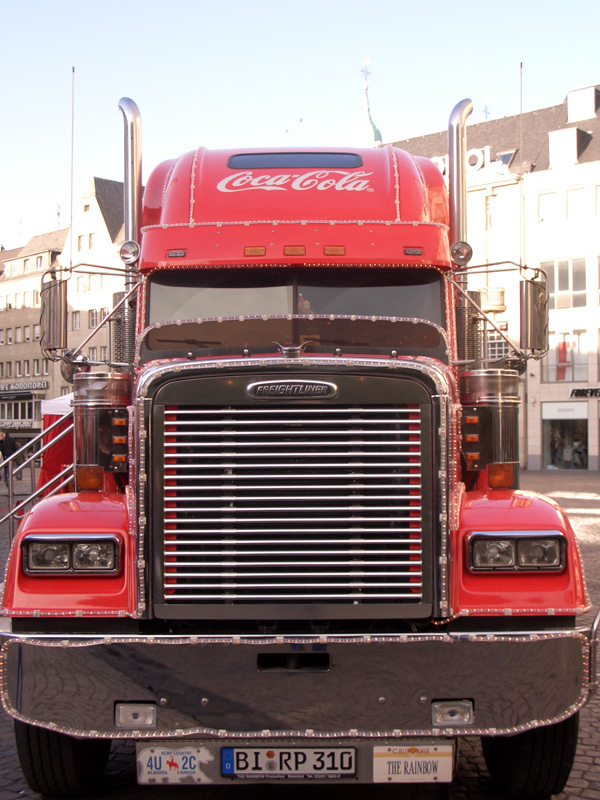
(132, 206)
(457, 168)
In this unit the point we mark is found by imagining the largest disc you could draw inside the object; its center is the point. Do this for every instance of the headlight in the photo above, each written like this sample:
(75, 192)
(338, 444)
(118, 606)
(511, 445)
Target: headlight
(70, 554)
(516, 550)
(48, 556)
(94, 556)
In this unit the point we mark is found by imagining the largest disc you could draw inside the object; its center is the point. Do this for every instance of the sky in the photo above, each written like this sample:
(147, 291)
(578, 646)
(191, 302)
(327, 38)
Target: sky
(251, 73)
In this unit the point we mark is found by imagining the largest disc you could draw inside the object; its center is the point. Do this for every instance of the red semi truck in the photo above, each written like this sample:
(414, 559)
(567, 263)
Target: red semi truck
(293, 546)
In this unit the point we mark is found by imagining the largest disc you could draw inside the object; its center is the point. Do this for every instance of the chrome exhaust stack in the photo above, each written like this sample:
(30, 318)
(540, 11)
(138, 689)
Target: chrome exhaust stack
(132, 207)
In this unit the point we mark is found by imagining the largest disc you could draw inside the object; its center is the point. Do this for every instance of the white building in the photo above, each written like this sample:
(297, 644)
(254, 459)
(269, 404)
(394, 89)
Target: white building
(27, 376)
(534, 198)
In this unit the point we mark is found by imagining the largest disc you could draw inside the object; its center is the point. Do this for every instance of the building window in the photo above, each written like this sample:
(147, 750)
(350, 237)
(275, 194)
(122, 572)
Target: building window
(36, 298)
(80, 243)
(83, 283)
(91, 237)
(547, 206)
(26, 368)
(567, 358)
(27, 299)
(18, 335)
(26, 265)
(75, 320)
(575, 204)
(104, 353)
(36, 333)
(93, 353)
(497, 347)
(92, 318)
(65, 390)
(566, 283)
(19, 300)
(18, 373)
(38, 262)
(1, 335)
(45, 366)
(27, 333)
(9, 369)
(36, 366)
(104, 311)
(9, 336)
(1, 369)
(86, 207)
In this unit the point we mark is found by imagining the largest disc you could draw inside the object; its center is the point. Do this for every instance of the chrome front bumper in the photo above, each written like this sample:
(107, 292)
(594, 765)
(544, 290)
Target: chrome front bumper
(302, 687)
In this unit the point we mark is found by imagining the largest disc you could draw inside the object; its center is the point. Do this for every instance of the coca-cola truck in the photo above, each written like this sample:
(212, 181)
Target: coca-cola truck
(292, 544)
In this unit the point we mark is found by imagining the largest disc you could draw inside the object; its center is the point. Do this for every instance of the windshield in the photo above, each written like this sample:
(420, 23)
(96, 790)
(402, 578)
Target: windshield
(332, 311)
(207, 294)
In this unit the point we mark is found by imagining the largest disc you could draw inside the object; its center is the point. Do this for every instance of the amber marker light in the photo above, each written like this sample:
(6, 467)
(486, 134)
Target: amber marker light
(88, 479)
(334, 250)
(294, 250)
(501, 476)
(255, 251)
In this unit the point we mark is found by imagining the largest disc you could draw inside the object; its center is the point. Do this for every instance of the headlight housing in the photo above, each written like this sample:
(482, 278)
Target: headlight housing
(517, 551)
(70, 554)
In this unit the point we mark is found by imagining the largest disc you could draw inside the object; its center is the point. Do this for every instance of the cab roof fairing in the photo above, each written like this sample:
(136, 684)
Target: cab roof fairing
(210, 212)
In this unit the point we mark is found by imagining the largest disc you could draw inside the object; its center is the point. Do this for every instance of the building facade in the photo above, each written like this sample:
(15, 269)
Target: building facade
(89, 250)
(533, 198)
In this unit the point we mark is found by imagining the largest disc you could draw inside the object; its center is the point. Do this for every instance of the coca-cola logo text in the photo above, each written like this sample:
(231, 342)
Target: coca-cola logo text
(322, 180)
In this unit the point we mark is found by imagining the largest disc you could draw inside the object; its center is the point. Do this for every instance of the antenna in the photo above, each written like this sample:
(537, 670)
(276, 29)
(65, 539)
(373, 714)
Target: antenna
(521, 227)
(72, 163)
(366, 72)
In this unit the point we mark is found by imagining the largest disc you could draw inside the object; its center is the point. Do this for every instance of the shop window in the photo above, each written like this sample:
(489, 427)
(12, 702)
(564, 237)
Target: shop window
(566, 360)
(565, 444)
(566, 283)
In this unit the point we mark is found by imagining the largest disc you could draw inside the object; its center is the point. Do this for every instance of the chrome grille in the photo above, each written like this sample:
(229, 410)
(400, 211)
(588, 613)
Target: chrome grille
(297, 504)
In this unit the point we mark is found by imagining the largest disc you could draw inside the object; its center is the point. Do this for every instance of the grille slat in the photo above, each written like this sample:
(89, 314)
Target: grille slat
(292, 504)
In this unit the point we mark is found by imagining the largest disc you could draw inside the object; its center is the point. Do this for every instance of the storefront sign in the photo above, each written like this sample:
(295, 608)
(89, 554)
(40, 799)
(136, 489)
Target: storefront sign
(585, 393)
(564, 410)
(23, 386)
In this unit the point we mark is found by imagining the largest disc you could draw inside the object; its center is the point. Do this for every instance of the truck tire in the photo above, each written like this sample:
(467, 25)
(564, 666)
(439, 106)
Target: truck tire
(57, 765)
(534, 764)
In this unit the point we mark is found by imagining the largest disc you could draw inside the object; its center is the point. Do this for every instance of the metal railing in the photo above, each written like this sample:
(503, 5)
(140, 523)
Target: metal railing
(13, 471)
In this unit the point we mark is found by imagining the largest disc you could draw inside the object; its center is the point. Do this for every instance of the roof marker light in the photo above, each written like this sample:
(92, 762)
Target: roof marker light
(294, 250)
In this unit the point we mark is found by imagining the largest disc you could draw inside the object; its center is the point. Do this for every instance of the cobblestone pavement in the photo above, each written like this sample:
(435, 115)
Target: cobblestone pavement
(579, 493)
